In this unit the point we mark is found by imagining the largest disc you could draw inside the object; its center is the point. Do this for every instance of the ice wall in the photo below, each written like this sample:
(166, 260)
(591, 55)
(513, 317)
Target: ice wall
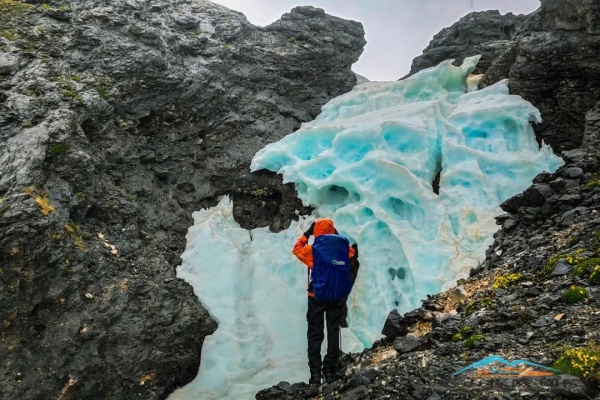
(368, 162)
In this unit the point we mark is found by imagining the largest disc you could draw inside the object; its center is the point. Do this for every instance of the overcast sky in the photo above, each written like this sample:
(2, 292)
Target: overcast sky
(396, 30)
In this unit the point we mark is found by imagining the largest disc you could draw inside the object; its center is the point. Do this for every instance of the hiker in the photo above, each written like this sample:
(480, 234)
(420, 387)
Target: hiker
(329, 284)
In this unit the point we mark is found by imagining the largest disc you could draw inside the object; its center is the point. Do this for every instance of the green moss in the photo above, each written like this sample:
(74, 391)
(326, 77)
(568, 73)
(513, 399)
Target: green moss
(477, 305)
(593, 184)
(75, 78)
(28, 125)
(595, 276)
(8, 35)
(457, 337)
(72, 94)
(574, 294)
(194, 33)
(102, 92)
(130, 197)
(58, 149)
(470, 342)
(79, 194)
(551, 264)
(586, 266)
(291, 40)
(573, 241)
(466, 329)
(4, 210)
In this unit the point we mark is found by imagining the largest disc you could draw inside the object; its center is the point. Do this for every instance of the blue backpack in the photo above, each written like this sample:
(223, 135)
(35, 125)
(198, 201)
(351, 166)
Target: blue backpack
(331, 268)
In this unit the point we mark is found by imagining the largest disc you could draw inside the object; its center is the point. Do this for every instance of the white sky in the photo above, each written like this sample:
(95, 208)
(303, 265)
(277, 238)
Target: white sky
(396, 30)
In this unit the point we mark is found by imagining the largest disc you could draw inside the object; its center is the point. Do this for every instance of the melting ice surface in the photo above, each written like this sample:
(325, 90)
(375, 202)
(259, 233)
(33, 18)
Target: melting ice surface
(368, 161)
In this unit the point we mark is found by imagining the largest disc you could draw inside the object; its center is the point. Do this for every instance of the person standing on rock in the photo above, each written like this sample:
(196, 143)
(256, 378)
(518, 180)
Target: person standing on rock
(329, 284)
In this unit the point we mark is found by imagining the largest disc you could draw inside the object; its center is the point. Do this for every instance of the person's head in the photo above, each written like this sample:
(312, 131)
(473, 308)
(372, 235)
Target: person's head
(324, 226)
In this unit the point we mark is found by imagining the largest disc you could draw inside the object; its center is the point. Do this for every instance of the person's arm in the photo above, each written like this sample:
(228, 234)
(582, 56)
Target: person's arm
(302, 250)
(354, 263)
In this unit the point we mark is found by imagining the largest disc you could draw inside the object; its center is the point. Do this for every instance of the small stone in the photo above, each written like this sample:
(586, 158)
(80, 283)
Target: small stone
(406, 344)
(425, 315)
(532, 292)
(562, 269)
(543, 321)
(508, 299)
(89, 296)
(558, 317)
(393, 326)
(357, 393)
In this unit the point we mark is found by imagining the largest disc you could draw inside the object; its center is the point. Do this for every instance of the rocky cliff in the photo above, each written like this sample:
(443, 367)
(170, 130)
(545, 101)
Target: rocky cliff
(118, 119)
(487, 33)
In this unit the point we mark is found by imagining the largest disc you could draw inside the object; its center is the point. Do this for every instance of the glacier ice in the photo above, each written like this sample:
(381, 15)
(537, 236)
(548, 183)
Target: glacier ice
(367, 161)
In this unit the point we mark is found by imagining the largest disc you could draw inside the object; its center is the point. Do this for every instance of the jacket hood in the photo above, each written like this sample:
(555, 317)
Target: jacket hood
(324, 227)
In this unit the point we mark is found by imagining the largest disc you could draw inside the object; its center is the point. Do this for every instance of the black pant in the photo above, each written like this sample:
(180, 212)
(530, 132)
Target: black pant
(318, 312)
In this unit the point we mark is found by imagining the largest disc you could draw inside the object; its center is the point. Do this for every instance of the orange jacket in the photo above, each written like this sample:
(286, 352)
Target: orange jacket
(303, 250)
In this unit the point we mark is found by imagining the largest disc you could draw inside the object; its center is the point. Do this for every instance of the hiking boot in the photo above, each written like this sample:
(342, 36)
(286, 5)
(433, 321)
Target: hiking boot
(330, 376)
(315, 379)
(343, 322)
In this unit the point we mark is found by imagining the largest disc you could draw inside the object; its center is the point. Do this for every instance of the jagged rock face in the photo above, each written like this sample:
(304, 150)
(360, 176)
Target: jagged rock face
(487, 33)
(554, 64)
(125, 117)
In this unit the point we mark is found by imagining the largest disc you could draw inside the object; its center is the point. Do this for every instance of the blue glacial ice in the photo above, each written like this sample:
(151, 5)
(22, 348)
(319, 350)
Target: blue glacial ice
(367, 161)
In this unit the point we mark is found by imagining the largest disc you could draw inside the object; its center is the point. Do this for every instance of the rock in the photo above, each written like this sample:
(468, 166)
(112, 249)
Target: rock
(513, 204)
(394, 326)
(508, 298)
(425, 315)
(562, 269)
(532, 292)
(487, 33)
(8, 63)
(132, 115)
(357, 393)
(591, 136)
(406, 344)
(543, 321)
(573, 156)
(569, 216)
(538, 193)
(569, 387)
(311, 391)
(573, 172)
